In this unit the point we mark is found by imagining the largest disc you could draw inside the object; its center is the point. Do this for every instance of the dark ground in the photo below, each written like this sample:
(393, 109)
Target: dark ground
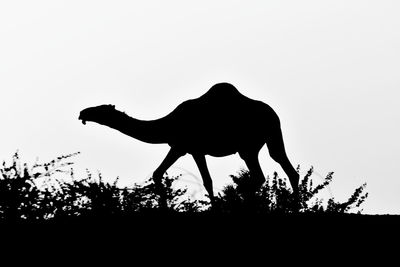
(200, 225)
(183, 238)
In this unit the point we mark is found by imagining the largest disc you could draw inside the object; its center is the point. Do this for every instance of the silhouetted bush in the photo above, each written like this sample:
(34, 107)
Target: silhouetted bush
(38, 194)
(20, 195)
(275, 196)
(144, 198)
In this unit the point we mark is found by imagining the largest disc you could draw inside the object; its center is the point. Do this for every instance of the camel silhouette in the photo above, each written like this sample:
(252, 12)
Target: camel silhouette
(219, 123)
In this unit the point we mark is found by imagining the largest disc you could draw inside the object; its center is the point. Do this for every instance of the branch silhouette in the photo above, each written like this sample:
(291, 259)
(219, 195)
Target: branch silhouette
(38, 194)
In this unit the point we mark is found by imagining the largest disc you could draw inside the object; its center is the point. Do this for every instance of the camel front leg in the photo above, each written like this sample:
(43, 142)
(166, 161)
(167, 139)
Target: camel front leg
(205, 174)
(172, 156)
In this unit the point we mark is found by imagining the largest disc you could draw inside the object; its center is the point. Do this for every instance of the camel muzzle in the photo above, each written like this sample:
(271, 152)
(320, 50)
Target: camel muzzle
(83, 121)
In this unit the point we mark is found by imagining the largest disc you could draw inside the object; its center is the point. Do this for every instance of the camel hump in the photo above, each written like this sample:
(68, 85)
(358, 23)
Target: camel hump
(221, 91)
(224, 86)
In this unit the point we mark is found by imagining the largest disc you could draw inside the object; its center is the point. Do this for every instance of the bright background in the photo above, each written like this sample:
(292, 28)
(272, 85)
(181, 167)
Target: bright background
(330, 69)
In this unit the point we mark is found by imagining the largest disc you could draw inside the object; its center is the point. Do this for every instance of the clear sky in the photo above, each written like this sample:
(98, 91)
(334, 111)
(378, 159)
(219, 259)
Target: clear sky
(330, 69)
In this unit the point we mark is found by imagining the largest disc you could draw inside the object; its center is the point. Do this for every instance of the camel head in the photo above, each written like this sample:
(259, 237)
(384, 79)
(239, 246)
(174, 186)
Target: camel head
(97, 114)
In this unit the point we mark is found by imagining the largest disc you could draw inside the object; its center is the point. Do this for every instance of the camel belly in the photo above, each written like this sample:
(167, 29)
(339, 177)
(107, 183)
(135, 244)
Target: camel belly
(219, 151)
(217, 147)
(215, 152)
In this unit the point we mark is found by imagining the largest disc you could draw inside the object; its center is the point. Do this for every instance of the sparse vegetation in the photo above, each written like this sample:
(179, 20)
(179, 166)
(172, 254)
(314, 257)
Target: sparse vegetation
(275, 196)
(37, 193)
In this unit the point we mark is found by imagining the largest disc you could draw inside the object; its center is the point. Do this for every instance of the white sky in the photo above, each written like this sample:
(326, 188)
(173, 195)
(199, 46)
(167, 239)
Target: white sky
(330, 69)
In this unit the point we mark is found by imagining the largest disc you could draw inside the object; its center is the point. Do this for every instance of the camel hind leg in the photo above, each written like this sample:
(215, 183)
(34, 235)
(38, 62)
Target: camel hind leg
(277, 152)
(257, 175)
(249, 188)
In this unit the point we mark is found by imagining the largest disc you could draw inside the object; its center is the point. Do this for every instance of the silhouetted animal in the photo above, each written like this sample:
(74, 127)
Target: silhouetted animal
(219, 123)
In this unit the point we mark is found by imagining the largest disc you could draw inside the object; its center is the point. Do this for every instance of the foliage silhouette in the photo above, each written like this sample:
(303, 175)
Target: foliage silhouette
(275, 196)
(37, 194)
(20, 196)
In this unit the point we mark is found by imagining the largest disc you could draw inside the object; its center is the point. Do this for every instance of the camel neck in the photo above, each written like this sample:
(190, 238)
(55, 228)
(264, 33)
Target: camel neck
(151, 131)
